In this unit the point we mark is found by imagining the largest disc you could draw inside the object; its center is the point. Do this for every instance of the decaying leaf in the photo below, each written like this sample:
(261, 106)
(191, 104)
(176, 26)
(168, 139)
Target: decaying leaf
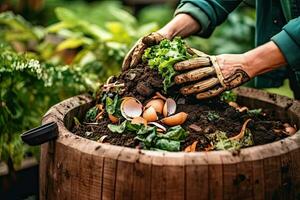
(192, 147)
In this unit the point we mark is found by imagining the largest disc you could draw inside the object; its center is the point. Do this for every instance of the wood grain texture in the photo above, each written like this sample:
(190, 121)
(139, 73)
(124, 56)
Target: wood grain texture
(76, 168)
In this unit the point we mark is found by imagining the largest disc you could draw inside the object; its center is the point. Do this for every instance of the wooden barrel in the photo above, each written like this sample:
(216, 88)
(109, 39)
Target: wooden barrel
(76, 168)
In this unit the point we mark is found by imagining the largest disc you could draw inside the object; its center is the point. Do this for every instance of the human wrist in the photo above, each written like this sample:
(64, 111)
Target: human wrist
(182, 25)
(264, 58)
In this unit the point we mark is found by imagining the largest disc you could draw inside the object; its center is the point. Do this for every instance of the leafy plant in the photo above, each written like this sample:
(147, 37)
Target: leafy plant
(150, 138)
(212, 116)
(222, 142)
(254, 112)
(27, 89)
(163, 56)
(112, 106)
(228, 96)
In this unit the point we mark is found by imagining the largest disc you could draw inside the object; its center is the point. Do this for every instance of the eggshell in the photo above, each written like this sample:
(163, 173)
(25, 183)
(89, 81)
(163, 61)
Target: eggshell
(150, 114)
(131, 108)
(233, 104)
(290, 130)
(139, 120)
(159, 96)
(169, 107)
(157, 104)
(113, 119)
(176, 119)
(159, 126)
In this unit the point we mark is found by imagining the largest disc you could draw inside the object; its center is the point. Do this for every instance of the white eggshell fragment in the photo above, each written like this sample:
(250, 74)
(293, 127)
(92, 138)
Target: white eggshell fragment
(175, 120)
(131, 108)
(158, 126)
(157, 104)
(169, 107)
(150, 114)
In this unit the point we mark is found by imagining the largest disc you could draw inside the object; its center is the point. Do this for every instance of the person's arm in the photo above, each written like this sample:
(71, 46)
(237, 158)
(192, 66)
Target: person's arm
(257, 61)
(288, 41)
(208, 13)
(215, 74)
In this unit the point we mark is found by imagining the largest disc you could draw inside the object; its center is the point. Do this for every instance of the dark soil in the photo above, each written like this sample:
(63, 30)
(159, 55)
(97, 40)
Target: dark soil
(142, 83)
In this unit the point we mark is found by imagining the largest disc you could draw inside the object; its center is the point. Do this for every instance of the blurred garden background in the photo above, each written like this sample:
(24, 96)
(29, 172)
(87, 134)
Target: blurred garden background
(54, 49)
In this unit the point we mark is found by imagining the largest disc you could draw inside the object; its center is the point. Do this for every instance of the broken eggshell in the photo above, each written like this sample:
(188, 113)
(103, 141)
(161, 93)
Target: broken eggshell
(159, 126)
(157, 104)
(176, 119)
(131, 108)
(169, 107)
(150, 114)
(139, 120)
(113, 119)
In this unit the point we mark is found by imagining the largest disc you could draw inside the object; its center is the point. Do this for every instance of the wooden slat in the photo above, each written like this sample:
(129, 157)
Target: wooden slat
(158, 178)
(230, 182)
(272, 172)
(109, 172)
(175, 176)
(124, 175)
(258, 189)
(245, 179)
(196, 176)
(142, 177)
(215, 175)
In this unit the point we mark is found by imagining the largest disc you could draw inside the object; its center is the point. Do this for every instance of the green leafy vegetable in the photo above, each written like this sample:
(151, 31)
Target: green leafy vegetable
(169, 141)
(212, 116)
(91, 114)
(117, 128)
(228, 96)
(175, 133)
(126, 125)
(222, 142)
(164, 55)
(254, 112)
(112, 106)
(168, 145)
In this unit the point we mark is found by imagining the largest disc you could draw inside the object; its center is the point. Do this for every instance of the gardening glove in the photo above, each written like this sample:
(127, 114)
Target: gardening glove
(134, 56)
(212, 74)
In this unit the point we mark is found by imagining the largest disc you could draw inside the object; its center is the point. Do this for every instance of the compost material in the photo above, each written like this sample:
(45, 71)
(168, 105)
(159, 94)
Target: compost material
(204, 117)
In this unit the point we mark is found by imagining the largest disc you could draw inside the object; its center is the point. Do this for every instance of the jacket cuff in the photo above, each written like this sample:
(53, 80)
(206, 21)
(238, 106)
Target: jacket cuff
(289, 48)
(197, 14)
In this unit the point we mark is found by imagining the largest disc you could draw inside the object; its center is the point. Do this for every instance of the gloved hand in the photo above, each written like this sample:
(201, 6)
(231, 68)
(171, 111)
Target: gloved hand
(212, 74)
(135, 54)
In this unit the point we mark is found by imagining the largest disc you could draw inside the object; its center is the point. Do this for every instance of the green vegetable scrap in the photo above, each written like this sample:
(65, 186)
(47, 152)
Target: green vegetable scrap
(112, 106)
(164, 55)
(254, 112)
(228, 96)
(150, 138)
(213, 116)
(91, 114)
(222, 142)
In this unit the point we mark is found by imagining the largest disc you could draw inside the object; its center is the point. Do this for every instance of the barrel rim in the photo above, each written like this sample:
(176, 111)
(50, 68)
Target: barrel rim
(58, 112)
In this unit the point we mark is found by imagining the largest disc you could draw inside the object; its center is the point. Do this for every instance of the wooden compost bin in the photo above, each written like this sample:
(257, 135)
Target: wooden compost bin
(76, 168)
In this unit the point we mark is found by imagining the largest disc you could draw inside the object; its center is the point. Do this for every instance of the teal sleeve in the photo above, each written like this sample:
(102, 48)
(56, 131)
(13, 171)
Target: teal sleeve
(208, 13)
(288, 41)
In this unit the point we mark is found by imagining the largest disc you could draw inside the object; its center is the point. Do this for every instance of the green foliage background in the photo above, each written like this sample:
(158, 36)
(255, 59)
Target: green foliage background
(77, 48)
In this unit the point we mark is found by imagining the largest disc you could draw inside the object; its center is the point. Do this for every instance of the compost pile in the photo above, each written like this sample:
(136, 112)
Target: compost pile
(143, 109)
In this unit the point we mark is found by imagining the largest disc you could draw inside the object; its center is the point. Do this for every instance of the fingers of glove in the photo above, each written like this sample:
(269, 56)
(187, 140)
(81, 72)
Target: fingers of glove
(200, 86)
(194, 75)
(128, 57)
(152, 39)
(193, 51)
(192, 63)
(210, 93)
(137, 54)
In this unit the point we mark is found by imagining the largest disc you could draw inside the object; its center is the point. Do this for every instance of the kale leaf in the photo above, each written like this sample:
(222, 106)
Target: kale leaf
(164, 55)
